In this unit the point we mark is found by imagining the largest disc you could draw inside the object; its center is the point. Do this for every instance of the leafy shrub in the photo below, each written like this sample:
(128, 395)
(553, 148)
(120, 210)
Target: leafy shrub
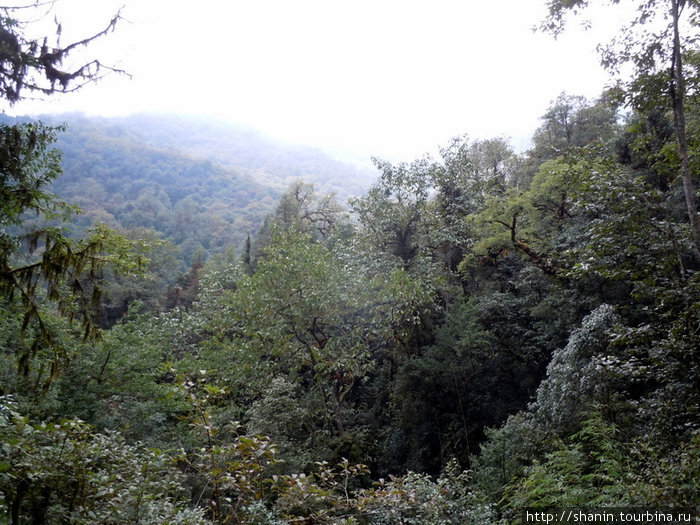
(66, 473)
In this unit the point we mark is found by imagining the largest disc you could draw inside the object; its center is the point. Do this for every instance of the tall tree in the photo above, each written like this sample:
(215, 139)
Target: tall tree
(393, 213)
(573, 122)
(657, 56)
(40, 265)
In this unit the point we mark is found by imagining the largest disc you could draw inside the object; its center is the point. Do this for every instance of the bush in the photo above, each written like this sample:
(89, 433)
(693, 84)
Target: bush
(66, 473)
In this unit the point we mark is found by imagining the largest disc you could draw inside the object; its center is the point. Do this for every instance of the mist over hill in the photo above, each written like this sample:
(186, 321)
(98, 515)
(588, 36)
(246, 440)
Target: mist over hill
(245, 150)
(204, 184)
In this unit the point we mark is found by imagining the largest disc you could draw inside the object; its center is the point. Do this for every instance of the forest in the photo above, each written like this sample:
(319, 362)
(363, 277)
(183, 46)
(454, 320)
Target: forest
(474, 334)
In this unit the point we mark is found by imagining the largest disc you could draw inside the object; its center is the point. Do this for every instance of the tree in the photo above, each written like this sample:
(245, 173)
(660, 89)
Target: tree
(300, 208)
(573, 122)
(414, 216)
(40, 265)
(441, 395)
(304, 309)
(468, 174)
(532, 222)
(393, 213)
(658, 60)
(32, 64)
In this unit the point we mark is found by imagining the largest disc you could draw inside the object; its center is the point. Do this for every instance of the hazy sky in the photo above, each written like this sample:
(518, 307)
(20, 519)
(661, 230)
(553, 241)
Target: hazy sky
(389, 78)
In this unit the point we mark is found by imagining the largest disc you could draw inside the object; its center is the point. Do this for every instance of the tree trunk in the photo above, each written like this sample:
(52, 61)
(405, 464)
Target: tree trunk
(677, 99)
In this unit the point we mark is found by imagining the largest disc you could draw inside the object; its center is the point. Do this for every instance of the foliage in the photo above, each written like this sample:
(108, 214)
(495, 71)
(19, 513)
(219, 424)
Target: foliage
(300, 209)
(283, 412)
(573, 122)
(149, 287)
(591, 470)
(596, 468)
(129, 182)
(537, 223)
(326, 496)
(574, 382)
(440, 394)
(236, 149)
(507, 451)
(122, 382)
(532, 317)
(40, 265)
(229, 470)
(668, 476)
(656, 43)
(393, 212)
(310, 315)
(65, 472)
(417, 499)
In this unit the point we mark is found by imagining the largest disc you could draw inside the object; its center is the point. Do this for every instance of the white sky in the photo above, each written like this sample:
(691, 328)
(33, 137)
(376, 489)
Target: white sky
(389, 78)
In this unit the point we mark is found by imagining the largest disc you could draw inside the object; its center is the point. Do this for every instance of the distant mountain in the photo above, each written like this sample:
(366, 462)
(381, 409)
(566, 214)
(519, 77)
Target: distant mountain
(204, 184)
(244, 150)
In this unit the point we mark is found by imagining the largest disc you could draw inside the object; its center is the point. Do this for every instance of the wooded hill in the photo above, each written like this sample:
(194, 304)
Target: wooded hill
(205, 185)
(269, 162)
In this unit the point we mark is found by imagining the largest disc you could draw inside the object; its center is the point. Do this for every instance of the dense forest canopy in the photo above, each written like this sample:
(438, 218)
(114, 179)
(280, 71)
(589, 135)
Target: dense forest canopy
(475, 334)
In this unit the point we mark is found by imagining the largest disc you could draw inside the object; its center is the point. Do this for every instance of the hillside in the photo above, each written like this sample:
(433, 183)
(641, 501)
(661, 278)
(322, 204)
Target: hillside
(205, 185)
(243, 150)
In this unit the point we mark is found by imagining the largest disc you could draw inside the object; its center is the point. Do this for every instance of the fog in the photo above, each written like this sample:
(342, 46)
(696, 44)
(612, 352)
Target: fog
(391, 79)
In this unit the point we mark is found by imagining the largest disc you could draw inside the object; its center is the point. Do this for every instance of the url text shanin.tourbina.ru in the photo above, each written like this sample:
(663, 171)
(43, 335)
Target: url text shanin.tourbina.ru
(609, 515)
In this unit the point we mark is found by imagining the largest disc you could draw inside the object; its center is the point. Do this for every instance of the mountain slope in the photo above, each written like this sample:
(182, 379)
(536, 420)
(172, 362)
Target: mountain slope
(206, 185)
(244, 150)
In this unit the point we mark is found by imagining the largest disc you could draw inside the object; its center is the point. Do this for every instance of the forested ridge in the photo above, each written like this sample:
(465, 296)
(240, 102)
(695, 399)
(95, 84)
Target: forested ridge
(204, 184)
(476, 334)
(234, 148)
